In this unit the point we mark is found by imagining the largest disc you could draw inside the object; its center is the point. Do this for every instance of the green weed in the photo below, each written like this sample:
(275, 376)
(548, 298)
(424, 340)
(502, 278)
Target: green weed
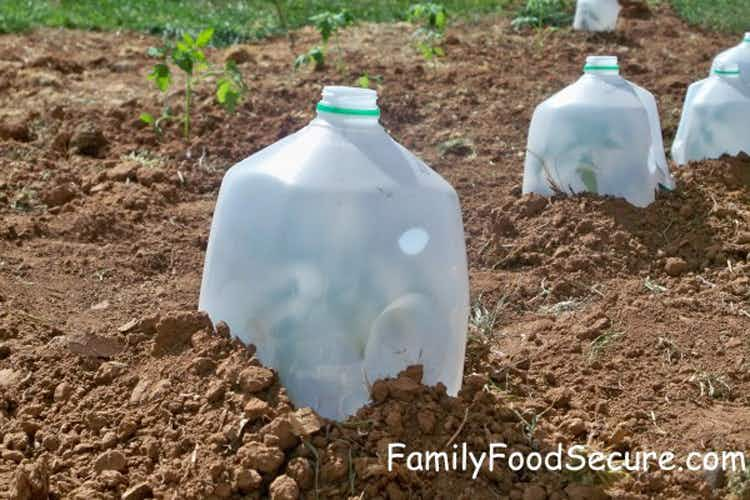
(328, 25)
(433, 18)
(541, 13)
(188, 56)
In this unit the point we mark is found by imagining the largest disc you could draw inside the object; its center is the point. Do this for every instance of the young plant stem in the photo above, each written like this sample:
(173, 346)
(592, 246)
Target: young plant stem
(283, 22)
(186, 123)
(339, 58)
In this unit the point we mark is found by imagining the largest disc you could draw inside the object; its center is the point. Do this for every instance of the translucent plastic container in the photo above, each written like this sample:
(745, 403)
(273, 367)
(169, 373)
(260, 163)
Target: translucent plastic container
(602, 135)
(739, 55)
(596, 15)
(341, 256)
(715, 118)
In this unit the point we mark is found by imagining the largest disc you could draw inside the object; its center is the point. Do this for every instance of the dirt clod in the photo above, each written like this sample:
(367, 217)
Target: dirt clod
(111, 460)
(284, 488)
(88, 140)
(255, 379)
(676, 266)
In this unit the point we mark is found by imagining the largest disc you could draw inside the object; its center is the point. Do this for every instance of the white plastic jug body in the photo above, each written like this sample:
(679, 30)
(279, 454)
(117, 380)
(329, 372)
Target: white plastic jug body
(602, 135)
(341, 256)
(739, 55)
(715, 117)
(596, 15)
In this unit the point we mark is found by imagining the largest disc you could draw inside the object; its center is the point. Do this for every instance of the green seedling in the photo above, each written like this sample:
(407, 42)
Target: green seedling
(366, 81)
(156, 123)
(540, 13)
(328, 25)
(433, 18)
(604, 342)
(313, 56)
(188, 56)
(530, 426)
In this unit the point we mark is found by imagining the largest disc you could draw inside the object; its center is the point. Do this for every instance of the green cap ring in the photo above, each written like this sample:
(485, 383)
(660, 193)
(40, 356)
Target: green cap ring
(347, 111)
(591, 67)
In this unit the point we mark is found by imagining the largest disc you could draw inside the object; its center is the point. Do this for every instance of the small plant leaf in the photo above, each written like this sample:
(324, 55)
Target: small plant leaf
(161, 76)
(301, 60)
(364, 81)
(227, 96)
(147, 118)
(204, 38)
(184, 60)
(188, 40)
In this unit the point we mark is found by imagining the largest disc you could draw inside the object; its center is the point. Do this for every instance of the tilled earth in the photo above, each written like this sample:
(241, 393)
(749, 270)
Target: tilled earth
(594, 323)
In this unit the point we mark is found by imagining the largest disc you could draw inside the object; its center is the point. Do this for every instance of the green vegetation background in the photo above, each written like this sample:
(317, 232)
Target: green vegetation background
(237, 20)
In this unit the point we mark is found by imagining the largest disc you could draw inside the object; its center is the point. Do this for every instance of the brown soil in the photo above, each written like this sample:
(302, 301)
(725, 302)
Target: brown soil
(609, 319)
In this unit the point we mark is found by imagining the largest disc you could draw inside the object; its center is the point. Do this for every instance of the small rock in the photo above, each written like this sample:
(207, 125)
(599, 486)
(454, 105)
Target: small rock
(140, 491)
(16, 129)
(126, 429)
(100, 306)
(123, 171)
(305, 422)
(12, 455)
(176, 329)
(111, 460)
(281, 428)
(426, 420)
(51, 442)
(255, 379)
(109, 371)
(404, 388)
(216, 391)
(258, 456)
(202, 366)
(93, 346)
(284, 488)
(531, 205)
(256, 408)
(31, 482)
(675, 266)
(148, 390)
(128, 326)
(247, 480)
(9, 377)
(58, 195)
(575, 426)
(379, 391)
(112, 478)
(109, 440)
(602, 408)
(300, 469)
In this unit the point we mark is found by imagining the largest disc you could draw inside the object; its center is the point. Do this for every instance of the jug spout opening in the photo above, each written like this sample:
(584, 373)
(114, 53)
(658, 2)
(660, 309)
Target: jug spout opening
(349, 101)
(602, 65)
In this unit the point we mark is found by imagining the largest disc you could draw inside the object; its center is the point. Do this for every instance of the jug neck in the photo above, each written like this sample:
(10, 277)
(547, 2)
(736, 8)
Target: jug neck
(747, 37)
(602, 66)
(348, 107)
